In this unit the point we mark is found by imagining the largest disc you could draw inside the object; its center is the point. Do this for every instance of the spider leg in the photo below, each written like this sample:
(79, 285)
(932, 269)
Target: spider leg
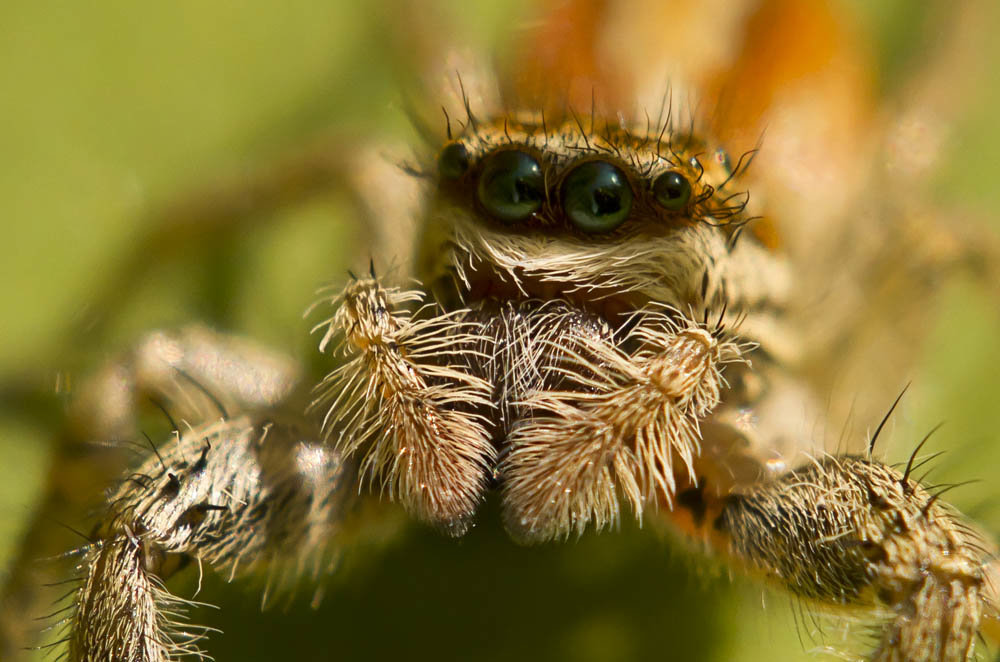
(250, 493)
(854, 533)
(96, 443)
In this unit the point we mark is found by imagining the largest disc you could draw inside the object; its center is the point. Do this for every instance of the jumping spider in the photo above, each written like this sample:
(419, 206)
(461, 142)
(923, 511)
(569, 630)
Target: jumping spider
(602, 310)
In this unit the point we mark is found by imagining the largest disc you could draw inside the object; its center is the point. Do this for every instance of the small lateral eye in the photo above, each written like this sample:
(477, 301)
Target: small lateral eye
(511, 185)
(672, 190)
(596, 196)
(453, 161)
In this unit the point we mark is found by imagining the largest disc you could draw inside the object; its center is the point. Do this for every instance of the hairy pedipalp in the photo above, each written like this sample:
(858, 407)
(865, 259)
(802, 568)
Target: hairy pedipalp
(400, 401)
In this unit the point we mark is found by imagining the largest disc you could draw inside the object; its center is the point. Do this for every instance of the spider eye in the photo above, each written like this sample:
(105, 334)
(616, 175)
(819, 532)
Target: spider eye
(672, 190)
(596, 196)
(453, 161)
(511, 185)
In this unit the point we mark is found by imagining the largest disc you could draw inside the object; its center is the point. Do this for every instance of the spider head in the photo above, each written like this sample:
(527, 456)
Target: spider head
(605, 219)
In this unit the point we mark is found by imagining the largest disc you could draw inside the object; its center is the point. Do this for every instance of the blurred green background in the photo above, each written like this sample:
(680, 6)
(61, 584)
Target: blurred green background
(107, 109)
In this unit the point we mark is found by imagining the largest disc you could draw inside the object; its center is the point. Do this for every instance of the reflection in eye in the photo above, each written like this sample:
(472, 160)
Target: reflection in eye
(596, 197)
(511, 185)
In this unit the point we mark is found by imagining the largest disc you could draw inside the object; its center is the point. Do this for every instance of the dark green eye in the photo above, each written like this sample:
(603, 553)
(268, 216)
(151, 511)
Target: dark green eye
(511, 185)
(672, 190)
(453, 161)
(596, 196)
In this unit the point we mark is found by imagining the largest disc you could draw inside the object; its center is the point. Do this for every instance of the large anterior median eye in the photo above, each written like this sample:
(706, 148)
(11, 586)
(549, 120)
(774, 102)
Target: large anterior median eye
(596, 196)
(511, 185)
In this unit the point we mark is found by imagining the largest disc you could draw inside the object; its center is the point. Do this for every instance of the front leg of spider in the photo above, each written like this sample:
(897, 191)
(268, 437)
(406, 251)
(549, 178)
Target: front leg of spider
(404, 399)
